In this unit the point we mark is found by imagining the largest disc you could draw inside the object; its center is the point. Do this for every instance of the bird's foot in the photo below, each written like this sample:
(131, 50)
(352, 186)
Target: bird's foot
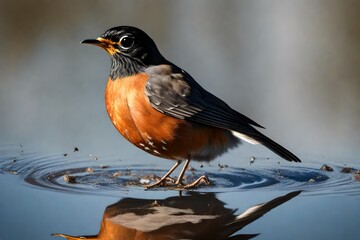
(163, 182)
(178, 184)
(203, 179)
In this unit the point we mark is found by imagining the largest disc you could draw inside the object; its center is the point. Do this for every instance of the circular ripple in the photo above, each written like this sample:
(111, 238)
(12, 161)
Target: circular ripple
(87, 176)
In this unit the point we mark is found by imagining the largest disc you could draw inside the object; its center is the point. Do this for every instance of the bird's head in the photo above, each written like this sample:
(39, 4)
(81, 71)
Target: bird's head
(131, 50)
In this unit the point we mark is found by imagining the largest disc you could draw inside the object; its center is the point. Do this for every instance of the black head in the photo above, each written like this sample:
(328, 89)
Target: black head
(131, 50)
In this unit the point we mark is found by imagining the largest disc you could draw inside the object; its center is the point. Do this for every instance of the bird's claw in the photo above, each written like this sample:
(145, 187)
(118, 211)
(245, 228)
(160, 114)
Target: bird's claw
(179, 184)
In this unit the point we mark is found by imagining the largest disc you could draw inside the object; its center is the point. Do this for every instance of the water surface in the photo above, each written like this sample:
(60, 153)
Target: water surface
(72, 193)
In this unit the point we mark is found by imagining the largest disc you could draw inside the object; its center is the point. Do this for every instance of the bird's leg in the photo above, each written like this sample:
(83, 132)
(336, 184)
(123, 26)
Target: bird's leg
(183, 170)
(165, 177)
(193, 184)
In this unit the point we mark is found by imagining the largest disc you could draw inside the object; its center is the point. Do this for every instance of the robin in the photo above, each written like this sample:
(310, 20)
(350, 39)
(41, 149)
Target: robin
(162, 110)
(192, 216)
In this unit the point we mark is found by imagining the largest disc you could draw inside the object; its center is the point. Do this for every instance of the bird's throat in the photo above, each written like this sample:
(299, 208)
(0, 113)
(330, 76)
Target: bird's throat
(122, 66)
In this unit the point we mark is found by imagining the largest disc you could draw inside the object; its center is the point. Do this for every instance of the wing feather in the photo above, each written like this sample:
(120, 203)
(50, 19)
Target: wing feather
(172, 91)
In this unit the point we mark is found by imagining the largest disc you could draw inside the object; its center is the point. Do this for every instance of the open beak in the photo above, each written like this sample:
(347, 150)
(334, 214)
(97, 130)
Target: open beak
(105, 44)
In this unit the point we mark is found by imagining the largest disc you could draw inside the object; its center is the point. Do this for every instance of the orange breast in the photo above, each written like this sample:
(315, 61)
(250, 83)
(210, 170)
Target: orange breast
(154, 132)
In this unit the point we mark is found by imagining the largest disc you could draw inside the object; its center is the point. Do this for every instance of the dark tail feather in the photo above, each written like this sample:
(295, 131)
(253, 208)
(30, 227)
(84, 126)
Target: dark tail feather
(276, 148)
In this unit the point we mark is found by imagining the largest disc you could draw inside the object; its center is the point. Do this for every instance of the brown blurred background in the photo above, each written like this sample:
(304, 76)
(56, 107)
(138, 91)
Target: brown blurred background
(293, 66)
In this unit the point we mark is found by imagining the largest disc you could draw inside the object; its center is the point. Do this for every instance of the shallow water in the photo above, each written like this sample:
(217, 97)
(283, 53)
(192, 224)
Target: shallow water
(38, 199)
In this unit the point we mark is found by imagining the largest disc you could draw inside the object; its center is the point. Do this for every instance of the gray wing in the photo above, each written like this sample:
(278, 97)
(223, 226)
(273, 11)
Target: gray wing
(178, 95)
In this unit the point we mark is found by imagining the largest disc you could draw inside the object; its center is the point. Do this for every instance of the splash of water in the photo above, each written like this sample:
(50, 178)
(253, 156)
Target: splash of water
(85, 175)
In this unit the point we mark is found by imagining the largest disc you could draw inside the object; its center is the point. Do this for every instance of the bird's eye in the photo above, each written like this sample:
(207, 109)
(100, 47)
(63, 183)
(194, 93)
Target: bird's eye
(126, 42)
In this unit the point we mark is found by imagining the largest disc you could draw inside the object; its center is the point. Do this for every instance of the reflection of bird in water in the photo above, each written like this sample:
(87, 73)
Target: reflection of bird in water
(194, 216)
(162, 110)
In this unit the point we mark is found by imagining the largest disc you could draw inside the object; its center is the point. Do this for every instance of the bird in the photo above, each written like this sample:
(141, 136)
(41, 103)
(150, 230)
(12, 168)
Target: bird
(161, 109)
(191, 216)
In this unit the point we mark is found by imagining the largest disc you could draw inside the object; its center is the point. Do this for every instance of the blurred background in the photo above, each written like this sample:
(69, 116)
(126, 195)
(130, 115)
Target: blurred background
(293, 66)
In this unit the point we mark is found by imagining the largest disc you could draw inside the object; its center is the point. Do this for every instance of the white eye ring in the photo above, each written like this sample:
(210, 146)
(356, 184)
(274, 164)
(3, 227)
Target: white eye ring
(126, 42)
